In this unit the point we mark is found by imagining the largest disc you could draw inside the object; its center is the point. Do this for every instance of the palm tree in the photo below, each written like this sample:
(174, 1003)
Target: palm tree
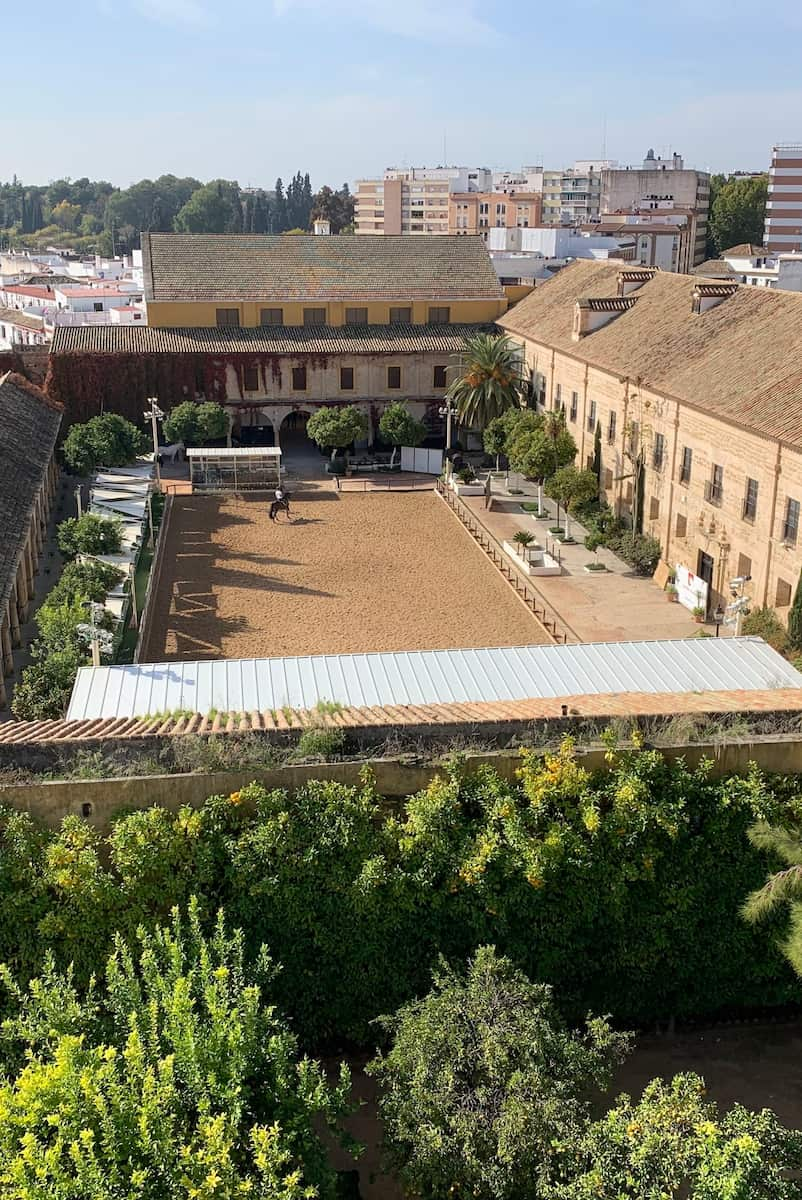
(490, 379)
(783, 888)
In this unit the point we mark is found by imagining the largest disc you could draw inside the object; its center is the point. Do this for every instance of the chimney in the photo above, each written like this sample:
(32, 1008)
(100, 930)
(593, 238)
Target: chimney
(322, 227)
(709, 295)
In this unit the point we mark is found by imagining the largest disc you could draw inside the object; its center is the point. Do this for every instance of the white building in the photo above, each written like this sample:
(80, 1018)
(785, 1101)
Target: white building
(88, 298)
(558, 243)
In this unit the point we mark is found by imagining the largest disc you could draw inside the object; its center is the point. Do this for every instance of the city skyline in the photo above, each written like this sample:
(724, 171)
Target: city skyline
(155, 86)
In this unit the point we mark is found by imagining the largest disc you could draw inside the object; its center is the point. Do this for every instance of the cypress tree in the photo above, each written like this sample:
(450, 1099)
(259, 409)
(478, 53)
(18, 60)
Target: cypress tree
(795, 618)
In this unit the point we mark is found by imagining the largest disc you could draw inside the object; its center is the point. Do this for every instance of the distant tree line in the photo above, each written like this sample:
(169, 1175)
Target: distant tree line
(94, 216)
(737, 211)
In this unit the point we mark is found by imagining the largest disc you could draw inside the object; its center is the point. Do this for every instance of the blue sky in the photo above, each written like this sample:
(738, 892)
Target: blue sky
(252, 89)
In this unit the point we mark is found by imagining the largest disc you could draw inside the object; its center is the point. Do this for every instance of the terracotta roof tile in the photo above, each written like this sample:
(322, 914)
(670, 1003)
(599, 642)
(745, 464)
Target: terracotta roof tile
(220, 267)
(739, 360)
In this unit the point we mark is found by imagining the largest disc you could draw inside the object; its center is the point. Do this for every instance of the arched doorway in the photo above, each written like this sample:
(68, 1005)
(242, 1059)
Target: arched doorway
(299, 454)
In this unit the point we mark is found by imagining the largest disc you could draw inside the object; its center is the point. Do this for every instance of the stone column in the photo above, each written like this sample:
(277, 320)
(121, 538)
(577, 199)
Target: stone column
(13, 616)
(5, 646)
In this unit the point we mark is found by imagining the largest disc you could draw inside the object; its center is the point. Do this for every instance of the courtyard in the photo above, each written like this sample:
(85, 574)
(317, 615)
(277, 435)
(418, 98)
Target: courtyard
(351, 572)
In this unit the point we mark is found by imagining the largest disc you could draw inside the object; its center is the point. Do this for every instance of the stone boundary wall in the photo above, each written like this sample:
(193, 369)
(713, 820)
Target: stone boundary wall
(146, 621)
(100, 800)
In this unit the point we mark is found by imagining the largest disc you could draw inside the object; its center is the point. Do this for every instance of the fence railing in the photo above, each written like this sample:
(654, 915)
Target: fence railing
(543, 612)
(146, 616)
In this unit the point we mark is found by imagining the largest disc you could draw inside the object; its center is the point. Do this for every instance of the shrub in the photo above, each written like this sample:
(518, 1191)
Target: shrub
(105, 441)
(320, 743)
(764, 623)
(640, 550)
(44, 691)
(89, 534)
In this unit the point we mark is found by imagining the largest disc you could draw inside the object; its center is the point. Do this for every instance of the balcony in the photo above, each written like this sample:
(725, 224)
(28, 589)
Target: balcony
(713, 492)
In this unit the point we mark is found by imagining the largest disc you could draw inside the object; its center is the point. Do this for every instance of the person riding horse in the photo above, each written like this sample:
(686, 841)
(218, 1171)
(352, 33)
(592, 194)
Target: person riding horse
(280, 503)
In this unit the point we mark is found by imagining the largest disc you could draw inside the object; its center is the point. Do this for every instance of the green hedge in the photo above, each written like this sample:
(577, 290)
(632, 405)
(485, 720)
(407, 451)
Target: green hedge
(621, 890)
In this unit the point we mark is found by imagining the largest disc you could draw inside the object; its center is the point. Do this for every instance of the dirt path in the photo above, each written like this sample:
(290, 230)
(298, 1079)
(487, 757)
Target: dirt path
(350, 572)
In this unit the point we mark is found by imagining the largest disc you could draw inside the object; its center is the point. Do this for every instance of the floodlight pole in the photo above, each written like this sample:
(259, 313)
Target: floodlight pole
(155, 414)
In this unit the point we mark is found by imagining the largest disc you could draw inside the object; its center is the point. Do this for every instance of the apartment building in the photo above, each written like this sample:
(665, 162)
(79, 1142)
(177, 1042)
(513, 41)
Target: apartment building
(414, 200)
(478, 212)
(661, 186)
(783, 228)
(273, 327)
(663, 238)
(696, 390)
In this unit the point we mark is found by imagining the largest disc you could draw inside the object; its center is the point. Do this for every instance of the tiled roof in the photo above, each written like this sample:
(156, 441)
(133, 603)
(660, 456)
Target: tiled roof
(714, 267)
(746, 250)
(295, 339)
(739, 360)
(219, 267)
(23, 320)
(29, 425)
(612, 705)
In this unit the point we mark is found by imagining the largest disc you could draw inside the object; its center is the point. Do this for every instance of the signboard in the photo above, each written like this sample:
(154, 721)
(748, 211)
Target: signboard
(691, 589)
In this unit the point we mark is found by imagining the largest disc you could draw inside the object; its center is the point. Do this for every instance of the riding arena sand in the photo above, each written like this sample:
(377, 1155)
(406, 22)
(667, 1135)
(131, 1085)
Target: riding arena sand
(347, 573)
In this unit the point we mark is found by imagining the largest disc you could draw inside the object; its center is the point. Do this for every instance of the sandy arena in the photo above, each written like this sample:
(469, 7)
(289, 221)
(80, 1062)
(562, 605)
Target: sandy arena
(350, 572)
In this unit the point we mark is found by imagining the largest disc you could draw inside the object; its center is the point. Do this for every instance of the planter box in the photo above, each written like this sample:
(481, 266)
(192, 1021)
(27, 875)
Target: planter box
(600, 570)
(533, 561)
(467, 489)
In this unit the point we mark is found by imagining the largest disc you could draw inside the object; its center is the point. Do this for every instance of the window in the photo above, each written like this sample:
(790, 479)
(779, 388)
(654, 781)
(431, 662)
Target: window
(783, 596)
(356, 316)
(439, 316)
(98, 305)
(654, 508)
(714, 488)
(592, 416)
(251, 379)
(608, 476)
(611, 427)
(558, 395)
(744, 566)
(227, 318)
(314, 316)
(393, 377)
(400, 316)
(299, 379)
(574, 405)
(271, 316)
(682, 525)
(659, 452)
(791, 522)
(439, 377)
(346, 379)
(685, 467)
(750, 503)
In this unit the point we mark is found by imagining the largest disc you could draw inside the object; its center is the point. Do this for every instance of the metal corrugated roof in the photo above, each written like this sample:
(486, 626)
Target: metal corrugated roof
(234, 452)
(431, 677)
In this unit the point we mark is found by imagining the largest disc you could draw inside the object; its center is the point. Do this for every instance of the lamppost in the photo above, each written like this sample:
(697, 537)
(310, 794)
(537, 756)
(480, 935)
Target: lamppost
(154, 414)
(718, 617)
(98, 638)
(447, 410)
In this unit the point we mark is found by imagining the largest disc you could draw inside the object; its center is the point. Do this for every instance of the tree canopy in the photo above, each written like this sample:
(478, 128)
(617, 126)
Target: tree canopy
(177, 1079)
(483, 1084)
(398, 426)
(194, 424)
(105, 441)
(488, 380)
(89, 534)
(737, 212)
(337, 427)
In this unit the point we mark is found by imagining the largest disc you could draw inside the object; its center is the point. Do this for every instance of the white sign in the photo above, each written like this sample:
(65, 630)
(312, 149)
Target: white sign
(691, 589)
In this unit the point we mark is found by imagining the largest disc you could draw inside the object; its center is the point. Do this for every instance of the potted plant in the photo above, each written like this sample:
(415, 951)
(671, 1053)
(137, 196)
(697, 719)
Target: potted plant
(698, 613)
(672, 593)
(523, 539)
(592, 542)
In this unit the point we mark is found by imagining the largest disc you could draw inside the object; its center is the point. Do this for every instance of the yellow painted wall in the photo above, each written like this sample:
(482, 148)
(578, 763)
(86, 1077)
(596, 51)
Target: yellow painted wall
(172, 314)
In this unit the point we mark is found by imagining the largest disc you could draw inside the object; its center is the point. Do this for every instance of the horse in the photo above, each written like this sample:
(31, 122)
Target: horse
(277, 506)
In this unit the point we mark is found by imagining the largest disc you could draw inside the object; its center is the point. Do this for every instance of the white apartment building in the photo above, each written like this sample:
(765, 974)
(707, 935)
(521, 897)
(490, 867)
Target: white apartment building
(559, 243)
(414, 200)
(661, 185)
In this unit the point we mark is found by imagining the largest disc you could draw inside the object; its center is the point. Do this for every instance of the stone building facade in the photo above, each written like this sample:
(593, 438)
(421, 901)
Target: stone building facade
(697, 393)
(29, 425)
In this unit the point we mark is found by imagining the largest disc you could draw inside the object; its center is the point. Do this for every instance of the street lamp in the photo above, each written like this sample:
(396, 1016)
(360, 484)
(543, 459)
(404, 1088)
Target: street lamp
(98, 638)
(154, 414)
(718, 617)
(447, 410)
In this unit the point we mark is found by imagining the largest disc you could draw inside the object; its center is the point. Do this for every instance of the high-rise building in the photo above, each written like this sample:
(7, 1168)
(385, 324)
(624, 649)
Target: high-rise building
(783, 229)
(414, 200)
